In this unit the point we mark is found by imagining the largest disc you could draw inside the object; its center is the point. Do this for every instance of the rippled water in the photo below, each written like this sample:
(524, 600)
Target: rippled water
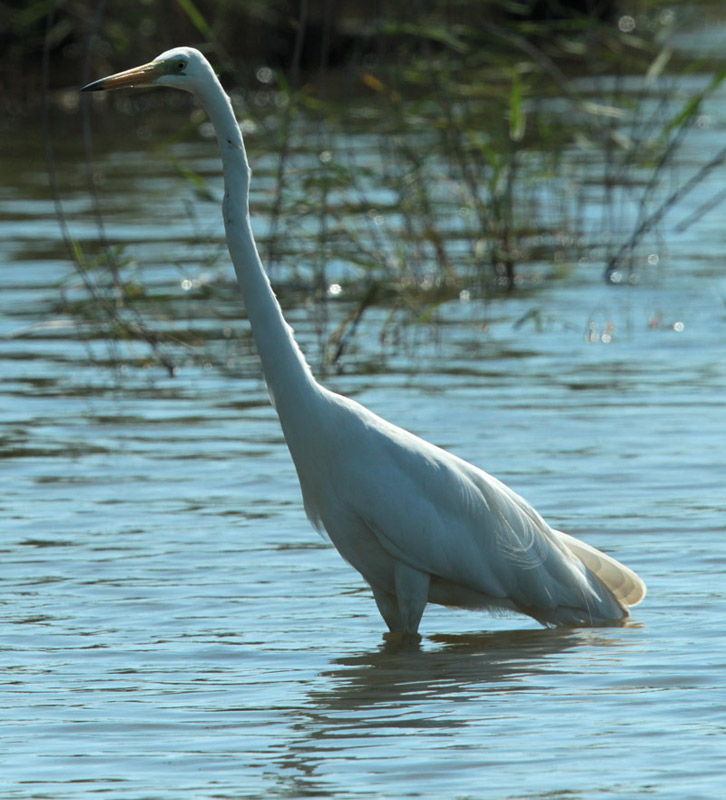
(172, 627)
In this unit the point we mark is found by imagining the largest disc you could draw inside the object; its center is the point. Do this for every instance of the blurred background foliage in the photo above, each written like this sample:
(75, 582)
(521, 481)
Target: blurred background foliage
(490, 120)
(303, 38)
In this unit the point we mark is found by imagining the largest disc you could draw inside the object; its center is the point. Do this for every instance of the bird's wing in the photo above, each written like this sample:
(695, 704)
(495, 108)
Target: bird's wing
(441, 515)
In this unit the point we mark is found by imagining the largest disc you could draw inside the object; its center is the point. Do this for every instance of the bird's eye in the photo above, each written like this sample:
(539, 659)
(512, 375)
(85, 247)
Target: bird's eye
(181, 66)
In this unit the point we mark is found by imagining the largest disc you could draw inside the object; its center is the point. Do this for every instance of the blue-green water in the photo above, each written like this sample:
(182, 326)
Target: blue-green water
(173, 628)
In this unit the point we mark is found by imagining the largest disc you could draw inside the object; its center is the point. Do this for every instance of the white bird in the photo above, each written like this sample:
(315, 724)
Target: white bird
(419, 524)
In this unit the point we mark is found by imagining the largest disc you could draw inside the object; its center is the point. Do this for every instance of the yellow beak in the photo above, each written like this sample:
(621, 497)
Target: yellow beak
(138, 76)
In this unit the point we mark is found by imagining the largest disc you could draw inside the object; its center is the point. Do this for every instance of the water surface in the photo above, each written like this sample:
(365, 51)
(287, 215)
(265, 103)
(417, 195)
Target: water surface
(171, 625)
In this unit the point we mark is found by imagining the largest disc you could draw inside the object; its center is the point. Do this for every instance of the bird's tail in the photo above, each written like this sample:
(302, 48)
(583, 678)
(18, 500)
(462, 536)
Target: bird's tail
(627, 587)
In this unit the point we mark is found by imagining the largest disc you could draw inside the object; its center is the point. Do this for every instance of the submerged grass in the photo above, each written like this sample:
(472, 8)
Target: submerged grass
(454, 154)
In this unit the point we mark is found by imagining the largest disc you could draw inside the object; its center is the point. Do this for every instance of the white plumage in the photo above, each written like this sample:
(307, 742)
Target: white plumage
(418, 523)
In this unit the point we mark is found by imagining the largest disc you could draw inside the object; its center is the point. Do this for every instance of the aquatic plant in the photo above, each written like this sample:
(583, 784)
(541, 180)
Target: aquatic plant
(449, 155)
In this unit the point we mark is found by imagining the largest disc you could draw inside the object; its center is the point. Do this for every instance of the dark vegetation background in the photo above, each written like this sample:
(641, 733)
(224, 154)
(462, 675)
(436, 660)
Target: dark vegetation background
(298, 37)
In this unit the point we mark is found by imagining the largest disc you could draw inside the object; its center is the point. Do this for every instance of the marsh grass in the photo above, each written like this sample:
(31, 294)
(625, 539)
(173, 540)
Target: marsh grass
(445, 157)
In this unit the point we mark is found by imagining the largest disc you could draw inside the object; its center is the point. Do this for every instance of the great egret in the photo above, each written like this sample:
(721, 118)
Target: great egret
(419, 524)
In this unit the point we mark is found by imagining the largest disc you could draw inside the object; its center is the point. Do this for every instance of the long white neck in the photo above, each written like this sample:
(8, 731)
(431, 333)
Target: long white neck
(288, 376)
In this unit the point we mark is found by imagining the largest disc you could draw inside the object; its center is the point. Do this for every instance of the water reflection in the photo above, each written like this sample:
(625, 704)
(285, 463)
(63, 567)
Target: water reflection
(485, 662)
(456, 695)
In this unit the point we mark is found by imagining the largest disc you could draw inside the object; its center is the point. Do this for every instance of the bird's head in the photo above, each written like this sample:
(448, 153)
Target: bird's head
(181, 68)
